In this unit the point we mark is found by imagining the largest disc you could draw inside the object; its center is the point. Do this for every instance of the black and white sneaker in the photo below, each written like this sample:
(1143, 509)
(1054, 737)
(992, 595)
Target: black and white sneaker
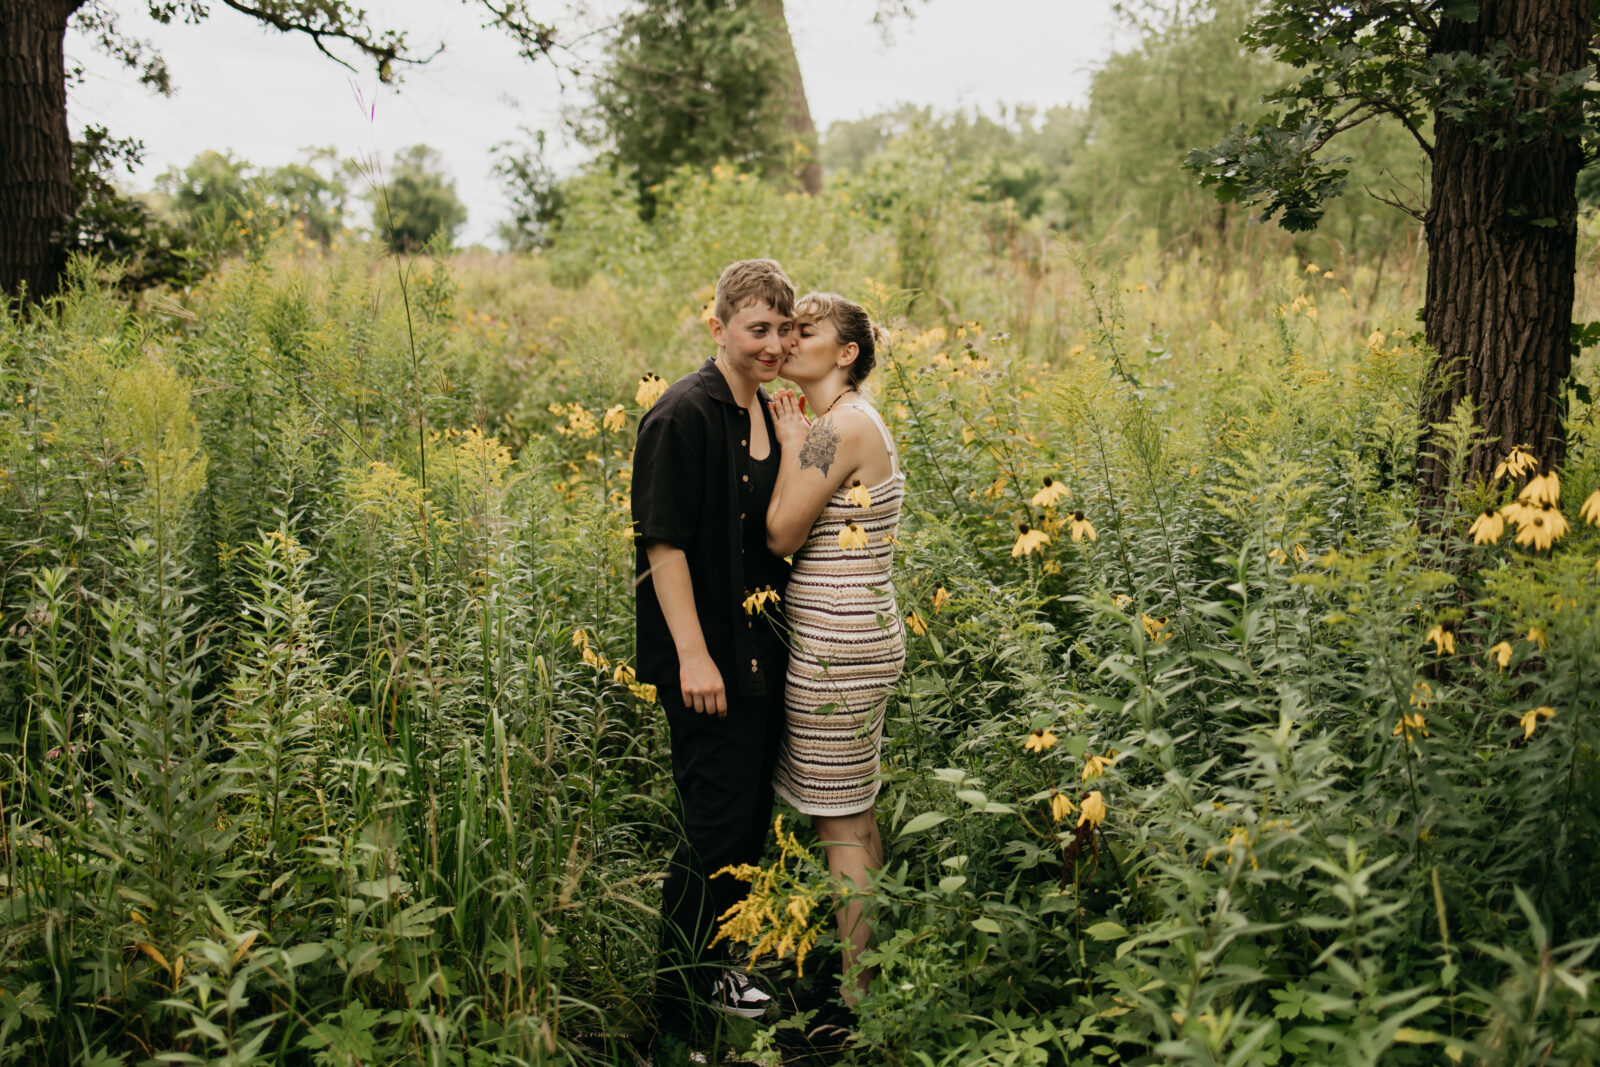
(733, 993)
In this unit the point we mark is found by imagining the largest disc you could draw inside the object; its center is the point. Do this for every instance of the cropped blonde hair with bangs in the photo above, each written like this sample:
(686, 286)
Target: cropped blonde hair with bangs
(752, 281)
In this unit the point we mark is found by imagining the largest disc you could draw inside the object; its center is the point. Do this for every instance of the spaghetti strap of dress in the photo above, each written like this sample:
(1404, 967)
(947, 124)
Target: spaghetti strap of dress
(883, 429)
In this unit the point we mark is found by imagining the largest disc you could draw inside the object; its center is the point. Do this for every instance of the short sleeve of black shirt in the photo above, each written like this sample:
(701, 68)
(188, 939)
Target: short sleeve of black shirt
(668, 471)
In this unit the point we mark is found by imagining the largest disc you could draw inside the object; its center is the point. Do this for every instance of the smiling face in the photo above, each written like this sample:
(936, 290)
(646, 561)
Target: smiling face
(752, 343)
(815, 351)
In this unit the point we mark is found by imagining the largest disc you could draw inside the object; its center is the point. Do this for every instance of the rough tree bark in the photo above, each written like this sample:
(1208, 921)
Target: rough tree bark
(1502, 240)
(35, 145)
(791, 96)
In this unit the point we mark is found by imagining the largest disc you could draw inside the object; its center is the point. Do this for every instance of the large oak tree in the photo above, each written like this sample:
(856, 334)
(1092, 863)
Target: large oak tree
(1500, 96)
(36, 192)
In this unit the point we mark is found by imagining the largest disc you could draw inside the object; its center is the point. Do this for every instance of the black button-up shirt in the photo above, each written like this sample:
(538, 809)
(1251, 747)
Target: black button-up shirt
(692, 474)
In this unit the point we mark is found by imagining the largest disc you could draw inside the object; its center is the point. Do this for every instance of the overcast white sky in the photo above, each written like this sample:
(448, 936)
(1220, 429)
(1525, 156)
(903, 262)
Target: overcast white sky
(264, 95)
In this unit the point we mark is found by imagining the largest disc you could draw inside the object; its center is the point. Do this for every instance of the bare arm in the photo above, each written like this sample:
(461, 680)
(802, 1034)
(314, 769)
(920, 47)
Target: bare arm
(698, 676)
(815, 462)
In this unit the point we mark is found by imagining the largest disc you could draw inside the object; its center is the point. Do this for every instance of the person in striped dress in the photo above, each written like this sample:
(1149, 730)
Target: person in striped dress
(835, 507)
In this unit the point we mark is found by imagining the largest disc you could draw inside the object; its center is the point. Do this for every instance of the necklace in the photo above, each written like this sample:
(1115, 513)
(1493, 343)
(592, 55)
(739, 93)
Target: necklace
(846, 389)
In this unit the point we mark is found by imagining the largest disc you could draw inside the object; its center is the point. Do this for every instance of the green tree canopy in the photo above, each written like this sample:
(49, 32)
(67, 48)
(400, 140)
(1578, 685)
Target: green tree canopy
(416, 201)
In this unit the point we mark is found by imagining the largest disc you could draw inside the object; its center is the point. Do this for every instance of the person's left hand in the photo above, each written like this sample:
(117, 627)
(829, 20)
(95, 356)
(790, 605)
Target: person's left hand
(790, 425)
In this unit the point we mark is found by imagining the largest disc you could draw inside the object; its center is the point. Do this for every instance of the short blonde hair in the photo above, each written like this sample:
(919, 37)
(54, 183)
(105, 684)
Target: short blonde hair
(750, 281)
(853, 325)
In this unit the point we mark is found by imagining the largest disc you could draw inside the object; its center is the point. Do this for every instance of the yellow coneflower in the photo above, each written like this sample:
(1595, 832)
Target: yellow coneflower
(651, 386)
(1155, 629)
(1590, 510)
(1060, 806)
(1040, 741)
(1517, 512)
(614, 420)
(1121, 600)
(1536, 636)
(1542, 490)
(1094, 809)
(756, 602)
(852, 536)
(916, 624)
(1028, 539)
(1487, 528)
(643, 691)
(1278, 555)
(624, 675)
(1047, 497)
(1095, 766)
(1444, 641)
(1530, 721)
(857, 494)
(1421, 694)
(940, 596)
(1502, 654)
(1080, 528)
(580, 638)
(1517, 461)
(1543, 528)
(1411, 723)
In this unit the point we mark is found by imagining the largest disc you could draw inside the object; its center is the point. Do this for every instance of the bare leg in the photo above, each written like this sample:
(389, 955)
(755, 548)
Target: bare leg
(854, 851)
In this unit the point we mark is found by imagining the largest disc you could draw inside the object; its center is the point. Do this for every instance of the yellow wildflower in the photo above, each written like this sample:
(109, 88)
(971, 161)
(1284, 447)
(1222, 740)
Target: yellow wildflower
(1375, 339)
(595, 660)
(1487, 528)
(624, 675)
(643, 691)
(1060, 806)
(1047, 497)
(1312, 268)
(1502, 654)
(1095, 766)
(858, 495)
(1411, 723)
(1278, 555)
(1542, 490)
(651, 386)
(1531, 720)
(1040, 741)
(1543, 528)
(614, 420)
(580, 638)
(1121, 600)
(940, 596)
(1028, 539)
(1421, 694)
(1444, 641)
(756, 602)
(1081, 528)
(852, 536)
(1517, 461)
(916, 624)
(1094, 809)
(1590, 510)
(1155, 629)
(1536, 635)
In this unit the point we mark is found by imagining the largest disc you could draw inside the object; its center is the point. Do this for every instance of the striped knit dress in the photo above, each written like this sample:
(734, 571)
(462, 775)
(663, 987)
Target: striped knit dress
(847, 650)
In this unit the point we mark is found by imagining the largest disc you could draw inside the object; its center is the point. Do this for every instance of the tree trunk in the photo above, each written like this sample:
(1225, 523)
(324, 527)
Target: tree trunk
(791, 97)
(35, 145)
(1502, 242)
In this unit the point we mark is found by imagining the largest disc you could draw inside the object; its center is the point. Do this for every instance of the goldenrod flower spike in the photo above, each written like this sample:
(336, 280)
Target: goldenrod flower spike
(852, 536)
(1029, 539)
(1094, 809)
(1060, 806)
(1502, 654)
(1487, 528)
(1530, 721)
(1589, 512)
(1080, 528)
(1047, 497)
(1040, 741)
(1444, 641)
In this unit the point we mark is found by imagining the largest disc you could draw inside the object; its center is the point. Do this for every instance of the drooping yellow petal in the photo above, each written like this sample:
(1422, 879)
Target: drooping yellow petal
(916, 624)
(1502, 654)
(1590, 510)
(1028, 540)
(1040, 741)
(1060, 806)
(852, 537)
(1487, 528)
(1530, 720)
(1542, 490)
(1094, 809)
(1444, 641)
(858, 496)
(1080, 528)
(1047, 496)
(940, 596)
(651, 386)
(1517, 461)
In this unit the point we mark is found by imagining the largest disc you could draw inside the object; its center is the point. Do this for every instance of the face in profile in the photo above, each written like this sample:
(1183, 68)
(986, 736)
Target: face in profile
(814, 350)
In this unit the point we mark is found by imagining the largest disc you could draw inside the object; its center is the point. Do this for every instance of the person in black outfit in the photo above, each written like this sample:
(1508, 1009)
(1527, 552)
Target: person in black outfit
(704, 468)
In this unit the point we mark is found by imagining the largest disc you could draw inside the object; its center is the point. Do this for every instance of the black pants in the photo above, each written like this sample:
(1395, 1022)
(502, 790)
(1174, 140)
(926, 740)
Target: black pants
(723, 771)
